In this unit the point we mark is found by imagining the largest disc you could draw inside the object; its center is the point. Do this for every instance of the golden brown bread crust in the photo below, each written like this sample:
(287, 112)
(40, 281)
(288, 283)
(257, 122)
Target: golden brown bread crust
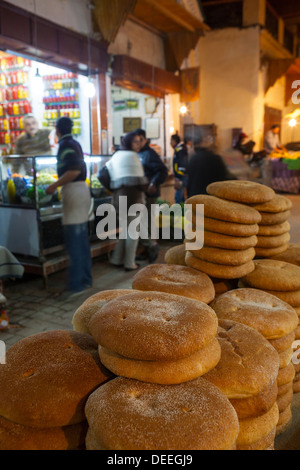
(273, 230)
(284, 421)
(254, 429)
(227, 211)
(91, 305)
(48, 377)
(296, 387)
(272, 241)
(290, 297)
(218, 270)
(228, 242)
(267, 314)
(176, 255)
(283, 389)
(256, 405)
(127, 414)
(277, 204)
(179, 280)
(263, 444)
(285, 400)
(224, 256)
(164, 372)
(268, 218)
(285, 358)
(244, 191)
(15, 436)
(282, 344)
(154, 326)
(269, 252)
(228, 228)
(286, 375)
(291, 255)
(248, 365)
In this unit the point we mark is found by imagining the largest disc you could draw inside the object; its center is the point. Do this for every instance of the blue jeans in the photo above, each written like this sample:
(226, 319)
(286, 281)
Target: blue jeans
(80, 262)
(179, 193)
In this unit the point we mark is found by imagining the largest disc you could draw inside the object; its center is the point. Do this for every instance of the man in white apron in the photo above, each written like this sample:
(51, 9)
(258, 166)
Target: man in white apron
(76, 202)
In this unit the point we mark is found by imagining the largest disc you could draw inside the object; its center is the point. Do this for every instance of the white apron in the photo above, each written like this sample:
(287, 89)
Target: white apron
(76, 202)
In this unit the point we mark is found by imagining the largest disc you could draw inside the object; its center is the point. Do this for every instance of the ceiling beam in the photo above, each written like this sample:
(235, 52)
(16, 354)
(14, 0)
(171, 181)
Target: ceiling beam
(172, 16)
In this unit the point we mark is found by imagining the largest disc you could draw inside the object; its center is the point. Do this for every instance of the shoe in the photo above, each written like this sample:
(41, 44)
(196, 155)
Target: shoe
(153, 253)
(132, 269)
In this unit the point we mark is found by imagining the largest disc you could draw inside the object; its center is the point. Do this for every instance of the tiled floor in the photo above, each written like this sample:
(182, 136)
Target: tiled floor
(32, 309)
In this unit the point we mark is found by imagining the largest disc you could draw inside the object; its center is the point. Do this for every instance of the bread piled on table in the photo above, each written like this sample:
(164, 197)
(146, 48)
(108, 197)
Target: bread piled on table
(276, 321)
(229, 237)
(45, 384)
(159, 345)
(281, 279)
(274, 229)
(247, 375)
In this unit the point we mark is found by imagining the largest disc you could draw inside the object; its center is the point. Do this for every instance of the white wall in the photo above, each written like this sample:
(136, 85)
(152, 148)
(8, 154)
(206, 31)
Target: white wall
(72, 14)
(229, 82)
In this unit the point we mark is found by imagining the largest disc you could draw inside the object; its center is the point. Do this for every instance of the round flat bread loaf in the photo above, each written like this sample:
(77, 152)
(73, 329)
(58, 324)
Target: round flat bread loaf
(229, 228)
(248, 362)
(286, 375)
(269, 252)
(282, 344)
(290, 297)
(218, 270)
(264, 312)
(15, 436)
(283, 389)
(256, 405)
(48, 377)
(285, 358)
(154, 326)
(94, 303)
(227, 257)
(228, 242)
(247, 192)
(273, 241)
(274, 230)
(227, 211)
(173, 279)
(254, 429)
(267, 218)
(131, 415)
(266, 443)
(176, 255)
(274, 275)
(277, 204)
(285, 400)
(284, 421)
(164, 372)
(291, 254)
(296, 387)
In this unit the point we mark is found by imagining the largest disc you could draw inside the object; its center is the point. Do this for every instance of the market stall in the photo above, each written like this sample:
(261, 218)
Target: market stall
(284, 172)
(32, 220)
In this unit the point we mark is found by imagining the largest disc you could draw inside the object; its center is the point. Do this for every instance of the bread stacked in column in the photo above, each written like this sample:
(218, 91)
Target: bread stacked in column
(159, 345)
(247, 375)
(45, 383)
(229, 237)
(276, 321)
(281, 279)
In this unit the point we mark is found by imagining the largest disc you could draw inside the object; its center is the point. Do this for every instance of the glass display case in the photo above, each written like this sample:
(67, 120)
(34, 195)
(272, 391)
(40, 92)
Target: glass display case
(31, 219)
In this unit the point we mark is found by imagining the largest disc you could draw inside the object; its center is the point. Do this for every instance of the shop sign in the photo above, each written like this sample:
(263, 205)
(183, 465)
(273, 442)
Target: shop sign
(120, 105)
(132, 104)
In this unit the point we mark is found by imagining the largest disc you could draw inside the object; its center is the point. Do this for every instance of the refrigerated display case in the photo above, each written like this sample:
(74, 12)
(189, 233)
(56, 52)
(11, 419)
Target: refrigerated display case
(31, 220)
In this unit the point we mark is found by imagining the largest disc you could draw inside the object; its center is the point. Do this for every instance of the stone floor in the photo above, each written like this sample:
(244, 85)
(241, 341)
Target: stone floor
(33, 309)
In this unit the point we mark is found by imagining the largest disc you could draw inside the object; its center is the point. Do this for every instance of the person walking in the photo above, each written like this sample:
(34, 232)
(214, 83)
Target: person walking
(156, 172)
(180, 163)
(124, 176)
(76, 203)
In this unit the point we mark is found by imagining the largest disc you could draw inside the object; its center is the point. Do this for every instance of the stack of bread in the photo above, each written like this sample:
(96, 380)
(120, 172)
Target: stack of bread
(247, 375)
(281, 279)
(276, 321)
(274, 229)
(291, 255)
(159, 344)
(45, 384)
(229, 234)
(176, 279)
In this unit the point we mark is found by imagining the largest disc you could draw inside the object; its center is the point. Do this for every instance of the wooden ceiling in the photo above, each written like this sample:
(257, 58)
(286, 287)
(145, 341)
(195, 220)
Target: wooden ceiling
(289, 10)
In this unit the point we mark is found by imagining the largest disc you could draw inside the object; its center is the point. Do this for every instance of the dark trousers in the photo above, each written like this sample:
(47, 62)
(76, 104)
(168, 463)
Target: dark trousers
(80, 262)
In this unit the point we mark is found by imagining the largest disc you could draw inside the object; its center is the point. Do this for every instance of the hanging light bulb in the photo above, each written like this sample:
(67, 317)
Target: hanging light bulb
(89, 89)
(292, 123)
(183, 109)
(38, 84)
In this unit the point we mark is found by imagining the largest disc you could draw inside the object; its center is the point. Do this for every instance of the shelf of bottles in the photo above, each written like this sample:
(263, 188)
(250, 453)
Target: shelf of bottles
(61, 98)
(14, 100)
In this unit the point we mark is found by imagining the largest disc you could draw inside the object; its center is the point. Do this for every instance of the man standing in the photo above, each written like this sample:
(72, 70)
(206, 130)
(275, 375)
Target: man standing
(180, 163)
(272, 141)
(76, 201)
(205, 167)
(156, 173)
